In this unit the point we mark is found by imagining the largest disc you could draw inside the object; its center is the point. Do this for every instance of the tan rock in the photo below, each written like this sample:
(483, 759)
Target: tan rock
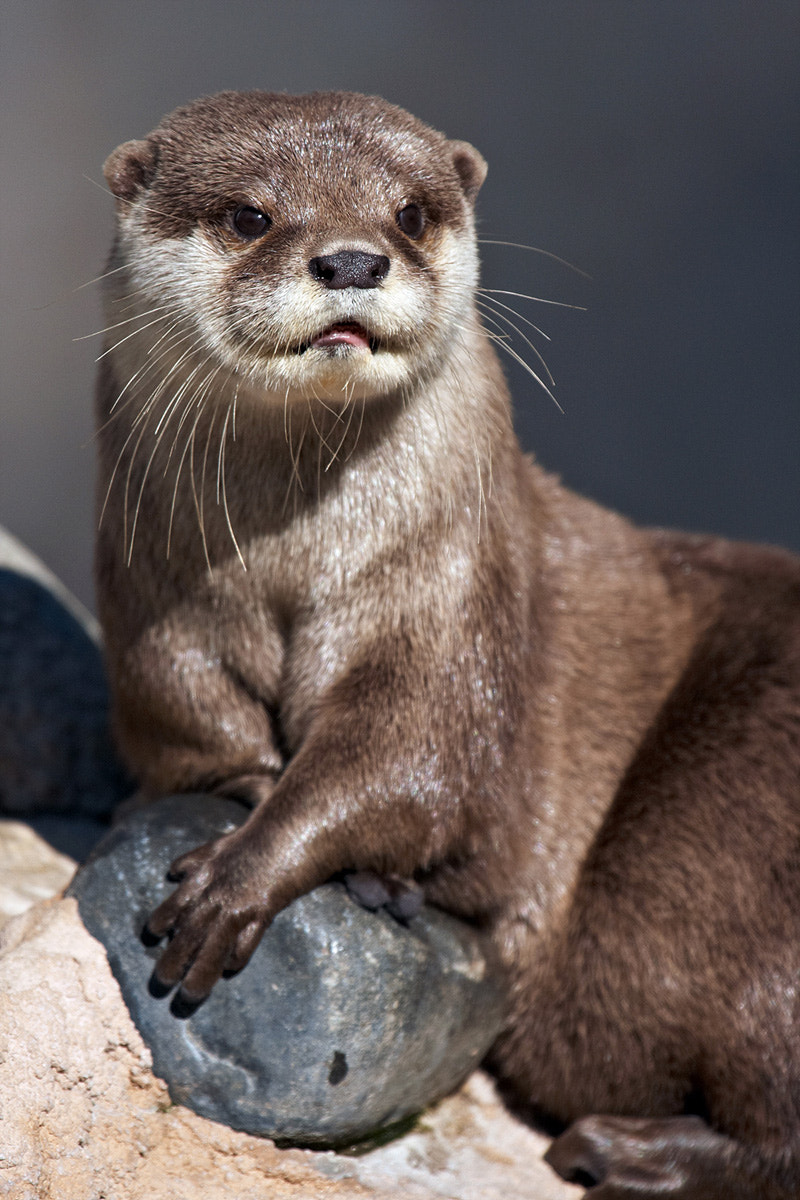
(82, 1117)
(30, 870)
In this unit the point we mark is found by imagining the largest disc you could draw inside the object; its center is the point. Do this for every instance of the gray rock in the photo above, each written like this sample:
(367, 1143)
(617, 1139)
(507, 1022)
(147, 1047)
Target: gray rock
(56, 755)
(343, 1023)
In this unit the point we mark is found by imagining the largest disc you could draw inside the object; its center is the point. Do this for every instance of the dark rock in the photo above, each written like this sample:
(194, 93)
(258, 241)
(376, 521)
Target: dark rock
(344, 1021)
(56, 754)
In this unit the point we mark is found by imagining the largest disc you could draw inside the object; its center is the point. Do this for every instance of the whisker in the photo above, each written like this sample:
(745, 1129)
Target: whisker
(524, 296)
(203, 477)
(126, 494)
(350, 408)
(501, 317)
(85, 337)
(177, 477)
(123, 200)
(221, 481)
(197, 503)
(536, 250)
(100, 278)
(513, 311)
(527, 367)
(295, 477)
(127, 338)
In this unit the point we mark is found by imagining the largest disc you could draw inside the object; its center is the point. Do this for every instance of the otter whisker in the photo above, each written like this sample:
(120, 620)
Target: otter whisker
(127, 338)
(129, 545)
(483, 291)
(194, 399)
(502, 343)
(123, 199)
(115, 409)
(151, 363)
(500, 319)
(85, 337)
(177, 481)
(357, 434)
(100, 278)
(200, 391)
(295, 478)
(210, 431)
(151, 366)
(221, 488)
(349, 408)
(158, 433)
(193, 480)
(322, 439)
(495, 304)
(535, 250)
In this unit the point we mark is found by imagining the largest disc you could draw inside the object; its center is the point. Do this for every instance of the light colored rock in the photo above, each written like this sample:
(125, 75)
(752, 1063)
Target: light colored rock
(469, 1148)
(30, 869)
(82, 1117)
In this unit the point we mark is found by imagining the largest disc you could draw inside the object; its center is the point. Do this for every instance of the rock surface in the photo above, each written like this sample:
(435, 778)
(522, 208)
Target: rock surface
(343, 1022)
(84, 1118)
(30, 870)
(55, 751)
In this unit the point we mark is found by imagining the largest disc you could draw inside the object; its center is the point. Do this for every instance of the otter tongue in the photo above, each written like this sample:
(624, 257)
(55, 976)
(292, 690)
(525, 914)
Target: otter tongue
(345, 334)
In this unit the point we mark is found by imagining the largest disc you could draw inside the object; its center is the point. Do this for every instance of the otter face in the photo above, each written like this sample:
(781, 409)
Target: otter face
(315, 246)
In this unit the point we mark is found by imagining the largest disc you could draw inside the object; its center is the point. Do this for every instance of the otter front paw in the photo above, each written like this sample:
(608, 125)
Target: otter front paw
(214, 919)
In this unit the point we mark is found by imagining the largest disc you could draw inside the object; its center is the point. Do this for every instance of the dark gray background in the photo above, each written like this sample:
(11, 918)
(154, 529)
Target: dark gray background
(652, 143)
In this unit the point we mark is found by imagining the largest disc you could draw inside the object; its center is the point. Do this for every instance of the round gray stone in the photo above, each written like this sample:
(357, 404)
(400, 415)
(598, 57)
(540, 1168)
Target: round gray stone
(343, 1023)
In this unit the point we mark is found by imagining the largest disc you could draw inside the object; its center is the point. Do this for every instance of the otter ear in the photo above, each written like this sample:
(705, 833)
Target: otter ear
(471, 167)
(130, 168)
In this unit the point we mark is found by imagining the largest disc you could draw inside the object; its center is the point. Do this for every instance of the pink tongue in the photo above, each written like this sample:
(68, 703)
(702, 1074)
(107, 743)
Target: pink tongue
(342, 335)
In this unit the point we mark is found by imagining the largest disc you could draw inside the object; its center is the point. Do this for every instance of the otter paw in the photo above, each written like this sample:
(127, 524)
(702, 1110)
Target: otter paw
(619, 1158)
(402, 898)
(214, 923)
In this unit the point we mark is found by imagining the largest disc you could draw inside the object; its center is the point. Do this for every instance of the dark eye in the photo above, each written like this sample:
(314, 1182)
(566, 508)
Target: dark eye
(250, 222)
(411, 220)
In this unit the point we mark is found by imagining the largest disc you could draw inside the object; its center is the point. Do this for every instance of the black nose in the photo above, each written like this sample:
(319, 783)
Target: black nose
(350, 268)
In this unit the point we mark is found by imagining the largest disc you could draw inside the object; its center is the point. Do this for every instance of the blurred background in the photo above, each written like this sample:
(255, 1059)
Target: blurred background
(654, 145)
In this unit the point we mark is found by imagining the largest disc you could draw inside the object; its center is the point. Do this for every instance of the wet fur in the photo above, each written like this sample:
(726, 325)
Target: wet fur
(335, 586)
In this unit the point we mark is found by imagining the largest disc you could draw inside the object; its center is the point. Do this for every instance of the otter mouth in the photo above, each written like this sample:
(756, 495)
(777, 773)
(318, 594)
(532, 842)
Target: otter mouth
(344, 335)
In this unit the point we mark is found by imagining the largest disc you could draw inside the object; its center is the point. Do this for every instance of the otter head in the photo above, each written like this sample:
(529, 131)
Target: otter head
(312, 246)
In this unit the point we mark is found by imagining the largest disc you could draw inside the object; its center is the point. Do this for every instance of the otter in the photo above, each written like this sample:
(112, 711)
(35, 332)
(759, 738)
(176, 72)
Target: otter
(333, 586)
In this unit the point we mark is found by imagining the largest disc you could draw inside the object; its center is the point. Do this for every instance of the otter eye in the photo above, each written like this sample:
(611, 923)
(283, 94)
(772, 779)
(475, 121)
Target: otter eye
(411, 220)
(250, 222)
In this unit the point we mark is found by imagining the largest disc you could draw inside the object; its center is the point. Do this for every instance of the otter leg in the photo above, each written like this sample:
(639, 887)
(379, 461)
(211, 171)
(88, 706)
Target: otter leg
(341, 803)
(622, 1158)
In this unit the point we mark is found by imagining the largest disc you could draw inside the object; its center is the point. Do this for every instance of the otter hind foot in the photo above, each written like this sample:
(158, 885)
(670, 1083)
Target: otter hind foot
(619, 1158)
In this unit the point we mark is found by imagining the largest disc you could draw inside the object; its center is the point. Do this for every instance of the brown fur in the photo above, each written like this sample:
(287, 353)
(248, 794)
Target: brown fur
(438, 662)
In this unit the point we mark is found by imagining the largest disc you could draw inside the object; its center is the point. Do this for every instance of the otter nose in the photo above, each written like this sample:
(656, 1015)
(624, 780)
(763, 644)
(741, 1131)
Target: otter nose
(350, 268)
